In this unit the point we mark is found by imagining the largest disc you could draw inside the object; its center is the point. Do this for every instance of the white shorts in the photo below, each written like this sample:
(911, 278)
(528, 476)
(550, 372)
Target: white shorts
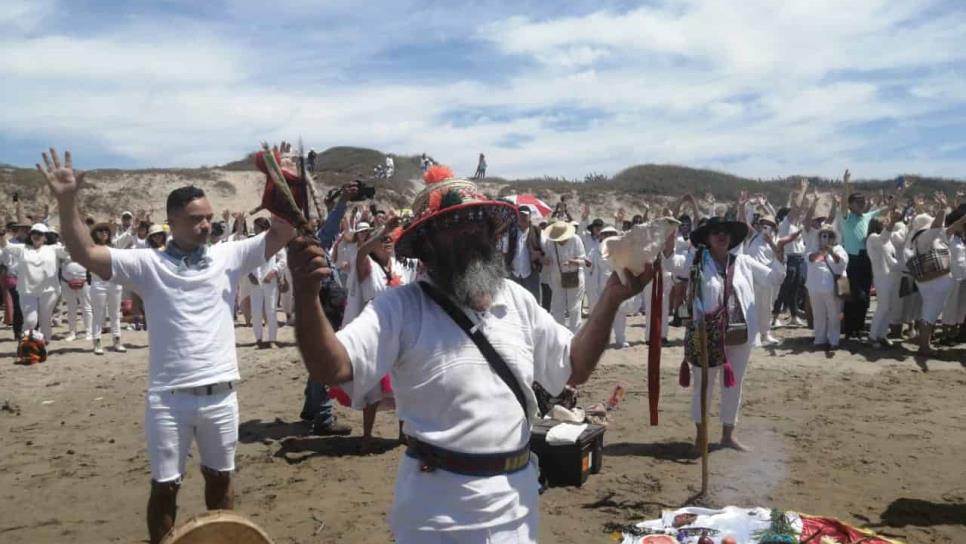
(173, 419)
(522, 531)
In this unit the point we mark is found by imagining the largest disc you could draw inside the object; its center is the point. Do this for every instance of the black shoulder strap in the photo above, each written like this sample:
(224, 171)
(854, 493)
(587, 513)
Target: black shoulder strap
(489, 352)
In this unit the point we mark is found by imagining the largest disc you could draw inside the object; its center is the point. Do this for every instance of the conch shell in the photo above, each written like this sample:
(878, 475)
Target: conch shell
(638, 247)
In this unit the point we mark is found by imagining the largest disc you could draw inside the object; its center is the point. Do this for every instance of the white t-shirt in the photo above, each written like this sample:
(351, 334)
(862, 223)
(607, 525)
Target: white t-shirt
(449, 396)
(36, 269)
(785, 229)
(191, 341)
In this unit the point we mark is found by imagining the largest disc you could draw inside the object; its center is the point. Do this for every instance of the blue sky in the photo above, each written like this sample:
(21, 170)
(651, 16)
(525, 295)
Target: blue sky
(759, 88)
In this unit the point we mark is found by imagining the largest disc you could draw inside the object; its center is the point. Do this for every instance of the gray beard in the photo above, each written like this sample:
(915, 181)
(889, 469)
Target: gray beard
(476, 285)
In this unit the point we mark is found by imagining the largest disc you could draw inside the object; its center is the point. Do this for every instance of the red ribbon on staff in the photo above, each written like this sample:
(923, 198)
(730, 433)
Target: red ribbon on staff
(654, 338)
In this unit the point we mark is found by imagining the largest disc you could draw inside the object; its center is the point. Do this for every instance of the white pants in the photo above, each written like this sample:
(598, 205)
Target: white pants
(173, 419)
(37, 311)
(264, 300)
(665, 303)
(730, 396)
(565, 306)
(764, 300)
(879, 328)
(106, 300)
(593, 291)
(523, 531)
(620, 326)
(934, 294)
(955, 309)
(78, 299)
(826, 317)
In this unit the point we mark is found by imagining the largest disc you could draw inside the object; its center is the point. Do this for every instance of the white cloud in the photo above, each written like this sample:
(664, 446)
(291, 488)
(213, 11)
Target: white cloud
(758, 87)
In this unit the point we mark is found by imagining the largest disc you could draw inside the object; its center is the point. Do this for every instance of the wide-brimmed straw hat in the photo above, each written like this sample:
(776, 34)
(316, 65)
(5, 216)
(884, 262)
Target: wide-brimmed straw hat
(447, 200)
(609, 230)
(736, 230)
(922, 221)
(102, 226)
(770, 219)
(559, 231)
(827, 229)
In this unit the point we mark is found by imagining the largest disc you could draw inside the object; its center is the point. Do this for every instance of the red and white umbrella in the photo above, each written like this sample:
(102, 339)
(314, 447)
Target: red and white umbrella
(532, 202)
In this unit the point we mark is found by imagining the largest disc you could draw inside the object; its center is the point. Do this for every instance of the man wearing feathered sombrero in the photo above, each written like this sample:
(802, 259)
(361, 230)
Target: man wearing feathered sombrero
(467, 475)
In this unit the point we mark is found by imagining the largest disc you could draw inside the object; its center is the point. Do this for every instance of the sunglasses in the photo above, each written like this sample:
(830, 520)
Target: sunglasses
(827, 236)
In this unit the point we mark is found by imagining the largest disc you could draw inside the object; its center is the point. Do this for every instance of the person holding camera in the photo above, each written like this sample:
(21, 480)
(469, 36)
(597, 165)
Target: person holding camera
(332, 295)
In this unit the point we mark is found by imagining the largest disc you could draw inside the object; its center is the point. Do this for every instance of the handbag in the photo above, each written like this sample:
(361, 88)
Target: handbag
(930, 265)
(568, 280)
(842, 288)
(486, 348)
(724, 327)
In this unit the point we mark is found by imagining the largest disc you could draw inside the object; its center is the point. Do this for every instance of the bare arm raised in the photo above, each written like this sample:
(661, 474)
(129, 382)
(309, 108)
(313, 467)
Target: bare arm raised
(65, 184)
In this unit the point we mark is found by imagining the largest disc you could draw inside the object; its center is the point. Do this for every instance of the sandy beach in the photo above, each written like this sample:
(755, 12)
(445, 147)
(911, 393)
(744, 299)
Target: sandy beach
(872, 437)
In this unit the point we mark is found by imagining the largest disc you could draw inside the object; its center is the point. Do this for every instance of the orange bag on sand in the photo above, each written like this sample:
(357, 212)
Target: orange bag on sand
(31, 351)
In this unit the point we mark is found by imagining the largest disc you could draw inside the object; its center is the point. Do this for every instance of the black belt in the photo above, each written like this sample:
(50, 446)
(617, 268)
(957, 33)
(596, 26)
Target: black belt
(468, 464)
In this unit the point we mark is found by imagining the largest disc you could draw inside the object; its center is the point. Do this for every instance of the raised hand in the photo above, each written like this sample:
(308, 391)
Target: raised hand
(940, 198)
(62, 179)
(846, 176)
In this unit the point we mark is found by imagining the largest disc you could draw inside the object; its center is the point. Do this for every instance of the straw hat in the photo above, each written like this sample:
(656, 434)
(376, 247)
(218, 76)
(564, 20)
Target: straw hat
(827, 229)
(922, 221)
(102, 226)
(736, 229)
(770, 219)
(609, 230)
(448, 200)
(559, 231)
(156, 229)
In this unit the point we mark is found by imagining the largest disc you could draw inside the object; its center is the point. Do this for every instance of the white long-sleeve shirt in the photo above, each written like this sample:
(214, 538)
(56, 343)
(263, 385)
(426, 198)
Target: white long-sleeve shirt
(571, 249)
(822, 271)
(36, 268)
(882, 254)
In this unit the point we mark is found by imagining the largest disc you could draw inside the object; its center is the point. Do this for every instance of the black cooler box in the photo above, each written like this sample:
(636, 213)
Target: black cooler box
(567, 464)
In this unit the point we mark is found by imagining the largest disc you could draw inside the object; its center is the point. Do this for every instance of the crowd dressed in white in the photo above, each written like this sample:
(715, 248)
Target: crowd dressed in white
(749, 264)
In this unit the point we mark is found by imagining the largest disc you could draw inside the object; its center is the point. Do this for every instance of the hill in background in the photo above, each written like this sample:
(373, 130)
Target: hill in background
(237, 185)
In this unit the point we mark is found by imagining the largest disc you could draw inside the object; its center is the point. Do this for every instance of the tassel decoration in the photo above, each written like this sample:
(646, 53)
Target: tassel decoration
(729, 375)
(684, 376)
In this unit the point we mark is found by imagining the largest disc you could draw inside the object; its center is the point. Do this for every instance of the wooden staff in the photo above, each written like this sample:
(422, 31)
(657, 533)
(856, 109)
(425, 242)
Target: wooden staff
(701, 335)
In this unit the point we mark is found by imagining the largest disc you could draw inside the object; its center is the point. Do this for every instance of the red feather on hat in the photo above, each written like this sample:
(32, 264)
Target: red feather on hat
(438, 173)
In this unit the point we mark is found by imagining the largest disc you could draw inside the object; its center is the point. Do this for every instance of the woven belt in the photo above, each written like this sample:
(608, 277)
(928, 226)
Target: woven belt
(206, 390)
(468, 464)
